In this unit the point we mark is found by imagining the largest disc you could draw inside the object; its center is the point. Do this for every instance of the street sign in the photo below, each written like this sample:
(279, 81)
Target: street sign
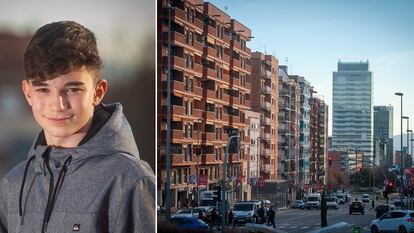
(330, 186)
(261, 182)
(320, 186)
(253, 181)
(193, 179)
(305, 186)
(203, 180)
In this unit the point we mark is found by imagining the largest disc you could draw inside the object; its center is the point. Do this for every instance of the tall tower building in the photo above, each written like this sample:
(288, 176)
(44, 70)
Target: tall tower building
(353, 108)
(383, 133)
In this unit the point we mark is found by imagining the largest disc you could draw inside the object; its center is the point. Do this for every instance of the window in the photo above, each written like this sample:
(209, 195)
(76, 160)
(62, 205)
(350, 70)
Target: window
(190, 152)
(217, 153)
(179, 176)
(186, 107)
(189, 13)
(219, 72)
(185, 155)
(174, 177)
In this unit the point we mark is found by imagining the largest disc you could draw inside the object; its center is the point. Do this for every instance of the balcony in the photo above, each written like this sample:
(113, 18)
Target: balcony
(211, 30)
(267, 90)
(197, 113)
(265, 152)
(175, 110)
(237, 45)
(198, 68)
(266, 106)
(265, 136)
(209, 73)
(198, 91)
(176, 37)
(226, 58)
(265, 121)
(236, 63)
(210, 51)
(265, 168)
(177, 62)
(176, 134)
(209, 137)
(267, 74)
(210, 115)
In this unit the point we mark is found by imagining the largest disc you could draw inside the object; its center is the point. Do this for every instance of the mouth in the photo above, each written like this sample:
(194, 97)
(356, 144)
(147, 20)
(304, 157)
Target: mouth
(59, 119)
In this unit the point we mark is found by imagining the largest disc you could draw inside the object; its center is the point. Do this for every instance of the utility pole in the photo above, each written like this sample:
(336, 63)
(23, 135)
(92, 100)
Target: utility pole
(223, 181)
(168, 139)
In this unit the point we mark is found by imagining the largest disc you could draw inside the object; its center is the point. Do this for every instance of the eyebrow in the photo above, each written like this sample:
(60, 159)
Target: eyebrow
(43, 84)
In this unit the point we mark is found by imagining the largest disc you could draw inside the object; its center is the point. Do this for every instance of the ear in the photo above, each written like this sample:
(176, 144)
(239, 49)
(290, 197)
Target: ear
(100, 90)
(26, 87)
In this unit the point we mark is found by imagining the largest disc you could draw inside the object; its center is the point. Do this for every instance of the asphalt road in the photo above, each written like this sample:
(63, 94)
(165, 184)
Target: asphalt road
(294, 220)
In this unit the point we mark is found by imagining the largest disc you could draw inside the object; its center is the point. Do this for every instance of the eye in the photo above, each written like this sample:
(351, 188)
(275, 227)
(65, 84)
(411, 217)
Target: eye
(42, 90)
(74, 90)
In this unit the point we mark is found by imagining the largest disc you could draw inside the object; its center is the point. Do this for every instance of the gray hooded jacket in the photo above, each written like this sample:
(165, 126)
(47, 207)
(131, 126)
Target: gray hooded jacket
(99, 186)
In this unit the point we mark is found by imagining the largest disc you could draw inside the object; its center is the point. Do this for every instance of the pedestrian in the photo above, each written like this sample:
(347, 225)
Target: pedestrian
(200, 215)
(230, 217)
(271, 220)
(372, 205)
(261, 213)
(83, 171)
(214, 218)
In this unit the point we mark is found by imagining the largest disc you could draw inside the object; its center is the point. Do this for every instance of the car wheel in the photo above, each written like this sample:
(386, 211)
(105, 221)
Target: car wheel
(402, 229)
(374, 229)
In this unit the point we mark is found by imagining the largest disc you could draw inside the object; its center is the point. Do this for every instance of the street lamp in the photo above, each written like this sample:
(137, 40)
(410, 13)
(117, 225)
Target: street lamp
(198, 157)
(401, 160)
(408, 126)
(257, 168)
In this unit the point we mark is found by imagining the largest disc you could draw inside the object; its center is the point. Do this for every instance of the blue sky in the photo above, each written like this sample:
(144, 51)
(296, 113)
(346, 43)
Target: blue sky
(315, 34)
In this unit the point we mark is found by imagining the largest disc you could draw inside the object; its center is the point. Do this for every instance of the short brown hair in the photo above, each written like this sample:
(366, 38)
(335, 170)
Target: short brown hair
(59, 48)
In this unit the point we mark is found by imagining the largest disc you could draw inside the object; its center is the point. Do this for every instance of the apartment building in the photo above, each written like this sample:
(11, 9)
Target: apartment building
(264, 96)
(288, 130)
(304, 127)
(318, 150)
(210, 94)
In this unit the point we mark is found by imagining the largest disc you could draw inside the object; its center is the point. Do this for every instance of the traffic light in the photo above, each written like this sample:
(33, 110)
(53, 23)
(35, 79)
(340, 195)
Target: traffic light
(330, 160)
(390, 186)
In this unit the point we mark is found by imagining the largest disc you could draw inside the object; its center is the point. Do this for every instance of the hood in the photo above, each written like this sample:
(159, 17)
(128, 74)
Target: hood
(110, 133)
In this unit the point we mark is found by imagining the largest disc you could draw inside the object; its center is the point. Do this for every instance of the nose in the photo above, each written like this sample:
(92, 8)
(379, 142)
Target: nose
(58, 102)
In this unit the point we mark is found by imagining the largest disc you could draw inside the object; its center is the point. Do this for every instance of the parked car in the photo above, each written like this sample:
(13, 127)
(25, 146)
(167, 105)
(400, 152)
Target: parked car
(382, 209)
(189, 222)
(341, 197)
(365, 198)
(332, 202)
(206, 210)
(394, 221)
(185, 212)
(298, 204)
(356, 206)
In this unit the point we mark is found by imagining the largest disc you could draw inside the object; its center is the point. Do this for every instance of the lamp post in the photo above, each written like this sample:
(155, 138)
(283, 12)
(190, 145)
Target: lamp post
(408, 126)
(168, 139)
(198, 157)
(223, 181)
(401, 160)
(257, 168)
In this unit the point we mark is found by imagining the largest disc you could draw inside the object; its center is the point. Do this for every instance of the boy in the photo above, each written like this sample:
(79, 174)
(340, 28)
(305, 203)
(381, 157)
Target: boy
(83, 171)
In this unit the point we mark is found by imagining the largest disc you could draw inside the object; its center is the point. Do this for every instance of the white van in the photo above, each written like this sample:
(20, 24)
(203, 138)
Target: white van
(244, 212)
(313, 200)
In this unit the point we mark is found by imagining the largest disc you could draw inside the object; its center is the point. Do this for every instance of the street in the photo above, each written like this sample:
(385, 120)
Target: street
(296, 220)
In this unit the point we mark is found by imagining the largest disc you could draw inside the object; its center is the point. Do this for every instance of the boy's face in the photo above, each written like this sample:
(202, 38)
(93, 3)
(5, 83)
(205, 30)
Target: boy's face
(64, 106)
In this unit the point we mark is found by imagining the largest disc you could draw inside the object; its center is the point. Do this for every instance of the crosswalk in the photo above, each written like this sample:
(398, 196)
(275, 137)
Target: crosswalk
(290, 228)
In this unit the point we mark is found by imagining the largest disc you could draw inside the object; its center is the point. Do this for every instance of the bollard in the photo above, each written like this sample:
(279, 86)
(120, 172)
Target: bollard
(356, 229)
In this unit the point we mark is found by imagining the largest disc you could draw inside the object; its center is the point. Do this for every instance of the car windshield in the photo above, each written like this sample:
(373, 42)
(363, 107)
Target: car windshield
(184, 211)
(313, 199)
(356, 203)
(298, 202)
(365, 196)
(243, 207)
(330, 199)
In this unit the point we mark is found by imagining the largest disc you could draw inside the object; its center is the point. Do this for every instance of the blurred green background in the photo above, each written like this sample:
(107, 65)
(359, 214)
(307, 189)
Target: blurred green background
(125, 32)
